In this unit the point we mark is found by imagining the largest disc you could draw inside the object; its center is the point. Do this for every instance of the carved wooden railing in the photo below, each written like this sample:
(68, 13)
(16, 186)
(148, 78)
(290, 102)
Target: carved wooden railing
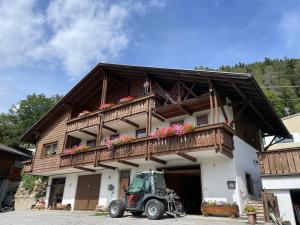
(27, 166)
(280, 162)
(217, 136)
(83, 122)
(137, 105)
(81, 158)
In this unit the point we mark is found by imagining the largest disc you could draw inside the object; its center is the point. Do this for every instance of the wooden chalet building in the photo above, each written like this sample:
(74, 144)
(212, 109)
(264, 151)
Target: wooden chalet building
(116, 109)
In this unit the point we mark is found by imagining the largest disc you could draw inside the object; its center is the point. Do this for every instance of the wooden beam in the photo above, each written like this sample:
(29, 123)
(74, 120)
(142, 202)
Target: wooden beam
(273, 139)
(184, 109)
(239, 113)
(130, 122)
(106, 166)
(191, 89)
(87, 132)
(237, 103)
(211, 102)
(188, 157)
(164, 93)
(84, 168)
(223, 110)
(127, 163)
(157, 116)
(110, 129)
(216, 105)
(188, 89)
(154, 159)
(104, 88)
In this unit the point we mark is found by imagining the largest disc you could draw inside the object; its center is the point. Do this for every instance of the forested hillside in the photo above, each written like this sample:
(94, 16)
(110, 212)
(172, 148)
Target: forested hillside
(279, 78)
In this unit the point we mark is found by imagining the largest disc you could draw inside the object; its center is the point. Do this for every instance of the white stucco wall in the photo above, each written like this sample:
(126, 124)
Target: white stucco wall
(245, 161)
(285, 205)
(281, 186)
(70, 189)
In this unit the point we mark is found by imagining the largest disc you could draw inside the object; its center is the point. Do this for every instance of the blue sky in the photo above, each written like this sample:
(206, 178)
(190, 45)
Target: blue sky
(48, 46)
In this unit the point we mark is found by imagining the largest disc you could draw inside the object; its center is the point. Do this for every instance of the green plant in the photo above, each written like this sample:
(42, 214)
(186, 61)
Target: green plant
(28, 182)
(249, 209)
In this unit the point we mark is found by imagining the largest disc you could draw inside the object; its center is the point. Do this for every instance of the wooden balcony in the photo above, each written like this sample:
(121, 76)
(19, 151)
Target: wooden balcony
(27, 166)
(217, 136)
(280, 162)
(81, 158)
(118, 111)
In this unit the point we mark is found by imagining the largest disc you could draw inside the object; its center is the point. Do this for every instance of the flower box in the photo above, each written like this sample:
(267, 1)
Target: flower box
(175, 129)
(223, 209)
(105, 106)
(76, 149)
(118, 141)
(126, 99)
(84, 113)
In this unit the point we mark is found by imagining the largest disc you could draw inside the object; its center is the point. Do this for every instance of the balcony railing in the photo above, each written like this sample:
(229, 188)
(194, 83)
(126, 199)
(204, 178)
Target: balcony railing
(280, 162)
(81, 158)
(27, 166)
(217, 136)
(136, 106)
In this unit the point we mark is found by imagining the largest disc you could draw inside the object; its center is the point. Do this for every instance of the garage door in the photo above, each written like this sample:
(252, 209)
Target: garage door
(87, 193)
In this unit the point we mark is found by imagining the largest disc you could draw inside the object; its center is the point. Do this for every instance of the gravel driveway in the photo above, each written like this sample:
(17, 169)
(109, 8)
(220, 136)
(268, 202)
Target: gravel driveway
(89, 218)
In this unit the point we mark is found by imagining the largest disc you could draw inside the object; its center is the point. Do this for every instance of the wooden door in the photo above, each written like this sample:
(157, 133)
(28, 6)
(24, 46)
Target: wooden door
(87, 193)
(124, 183)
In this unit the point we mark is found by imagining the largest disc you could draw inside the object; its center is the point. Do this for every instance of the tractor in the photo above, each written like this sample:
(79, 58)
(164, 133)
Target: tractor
(147, 193)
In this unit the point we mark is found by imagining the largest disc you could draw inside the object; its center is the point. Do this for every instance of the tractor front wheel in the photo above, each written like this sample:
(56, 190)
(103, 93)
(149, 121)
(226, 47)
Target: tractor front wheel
(154, 209)
(116, 208)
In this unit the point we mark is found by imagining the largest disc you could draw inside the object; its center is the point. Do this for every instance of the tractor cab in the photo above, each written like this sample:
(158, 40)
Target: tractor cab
(147, 193)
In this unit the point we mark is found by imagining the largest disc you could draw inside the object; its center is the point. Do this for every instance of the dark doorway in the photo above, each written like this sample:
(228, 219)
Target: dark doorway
(295, 196)
(124, 182)
(186, 182)
(56, 191)
(87, 192)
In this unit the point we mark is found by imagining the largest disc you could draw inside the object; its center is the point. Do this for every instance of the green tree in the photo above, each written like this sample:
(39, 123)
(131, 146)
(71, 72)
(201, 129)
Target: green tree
(23, 115)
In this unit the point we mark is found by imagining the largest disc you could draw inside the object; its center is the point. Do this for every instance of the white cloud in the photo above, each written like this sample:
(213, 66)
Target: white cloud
(68, 33)
(289, 28)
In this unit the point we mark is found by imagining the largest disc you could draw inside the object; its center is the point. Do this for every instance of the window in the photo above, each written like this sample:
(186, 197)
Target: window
(114, 136)
(202, 120)
(249, 184)
(91, 143)
(141, 183)
(180, 122)
(50, 149)
(140, 133)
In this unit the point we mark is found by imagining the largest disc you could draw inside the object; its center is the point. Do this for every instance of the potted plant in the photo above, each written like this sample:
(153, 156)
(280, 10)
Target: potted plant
(251, 214)
(118, 141)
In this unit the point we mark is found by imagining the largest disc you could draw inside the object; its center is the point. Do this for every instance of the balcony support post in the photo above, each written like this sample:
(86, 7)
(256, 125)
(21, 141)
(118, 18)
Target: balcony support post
(104, 88)
(100, 129)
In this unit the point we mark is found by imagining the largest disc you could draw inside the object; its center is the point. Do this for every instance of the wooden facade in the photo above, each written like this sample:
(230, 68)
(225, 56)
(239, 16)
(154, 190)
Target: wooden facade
(283, 162)
(159, 94)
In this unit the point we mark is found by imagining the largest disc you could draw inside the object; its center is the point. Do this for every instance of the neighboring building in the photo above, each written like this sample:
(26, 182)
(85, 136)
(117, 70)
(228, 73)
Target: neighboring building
(10, 168)
(292, 123)
(280, 170)
(216, 161)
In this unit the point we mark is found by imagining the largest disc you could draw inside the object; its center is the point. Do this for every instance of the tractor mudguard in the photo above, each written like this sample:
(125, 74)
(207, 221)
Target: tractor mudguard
(147, 197)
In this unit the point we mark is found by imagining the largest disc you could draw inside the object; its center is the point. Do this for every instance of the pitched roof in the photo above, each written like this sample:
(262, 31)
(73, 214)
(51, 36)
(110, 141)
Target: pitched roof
(13, 151)
(245, 86)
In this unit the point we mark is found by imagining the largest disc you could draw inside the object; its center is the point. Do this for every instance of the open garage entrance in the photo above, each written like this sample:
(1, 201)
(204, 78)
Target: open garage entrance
(186, 182)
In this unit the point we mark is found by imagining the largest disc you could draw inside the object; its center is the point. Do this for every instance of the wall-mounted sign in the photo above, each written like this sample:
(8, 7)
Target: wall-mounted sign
(231, 184)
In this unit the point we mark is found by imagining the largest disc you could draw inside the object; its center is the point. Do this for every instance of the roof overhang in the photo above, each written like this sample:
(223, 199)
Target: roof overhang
(224, 80)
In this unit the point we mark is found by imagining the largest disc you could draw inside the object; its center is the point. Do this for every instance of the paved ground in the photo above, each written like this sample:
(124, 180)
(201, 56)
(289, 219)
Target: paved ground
(89, 218)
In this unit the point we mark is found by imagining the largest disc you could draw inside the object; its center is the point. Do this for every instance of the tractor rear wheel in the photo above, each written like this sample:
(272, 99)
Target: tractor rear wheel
(116, 208)
(154, 209)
